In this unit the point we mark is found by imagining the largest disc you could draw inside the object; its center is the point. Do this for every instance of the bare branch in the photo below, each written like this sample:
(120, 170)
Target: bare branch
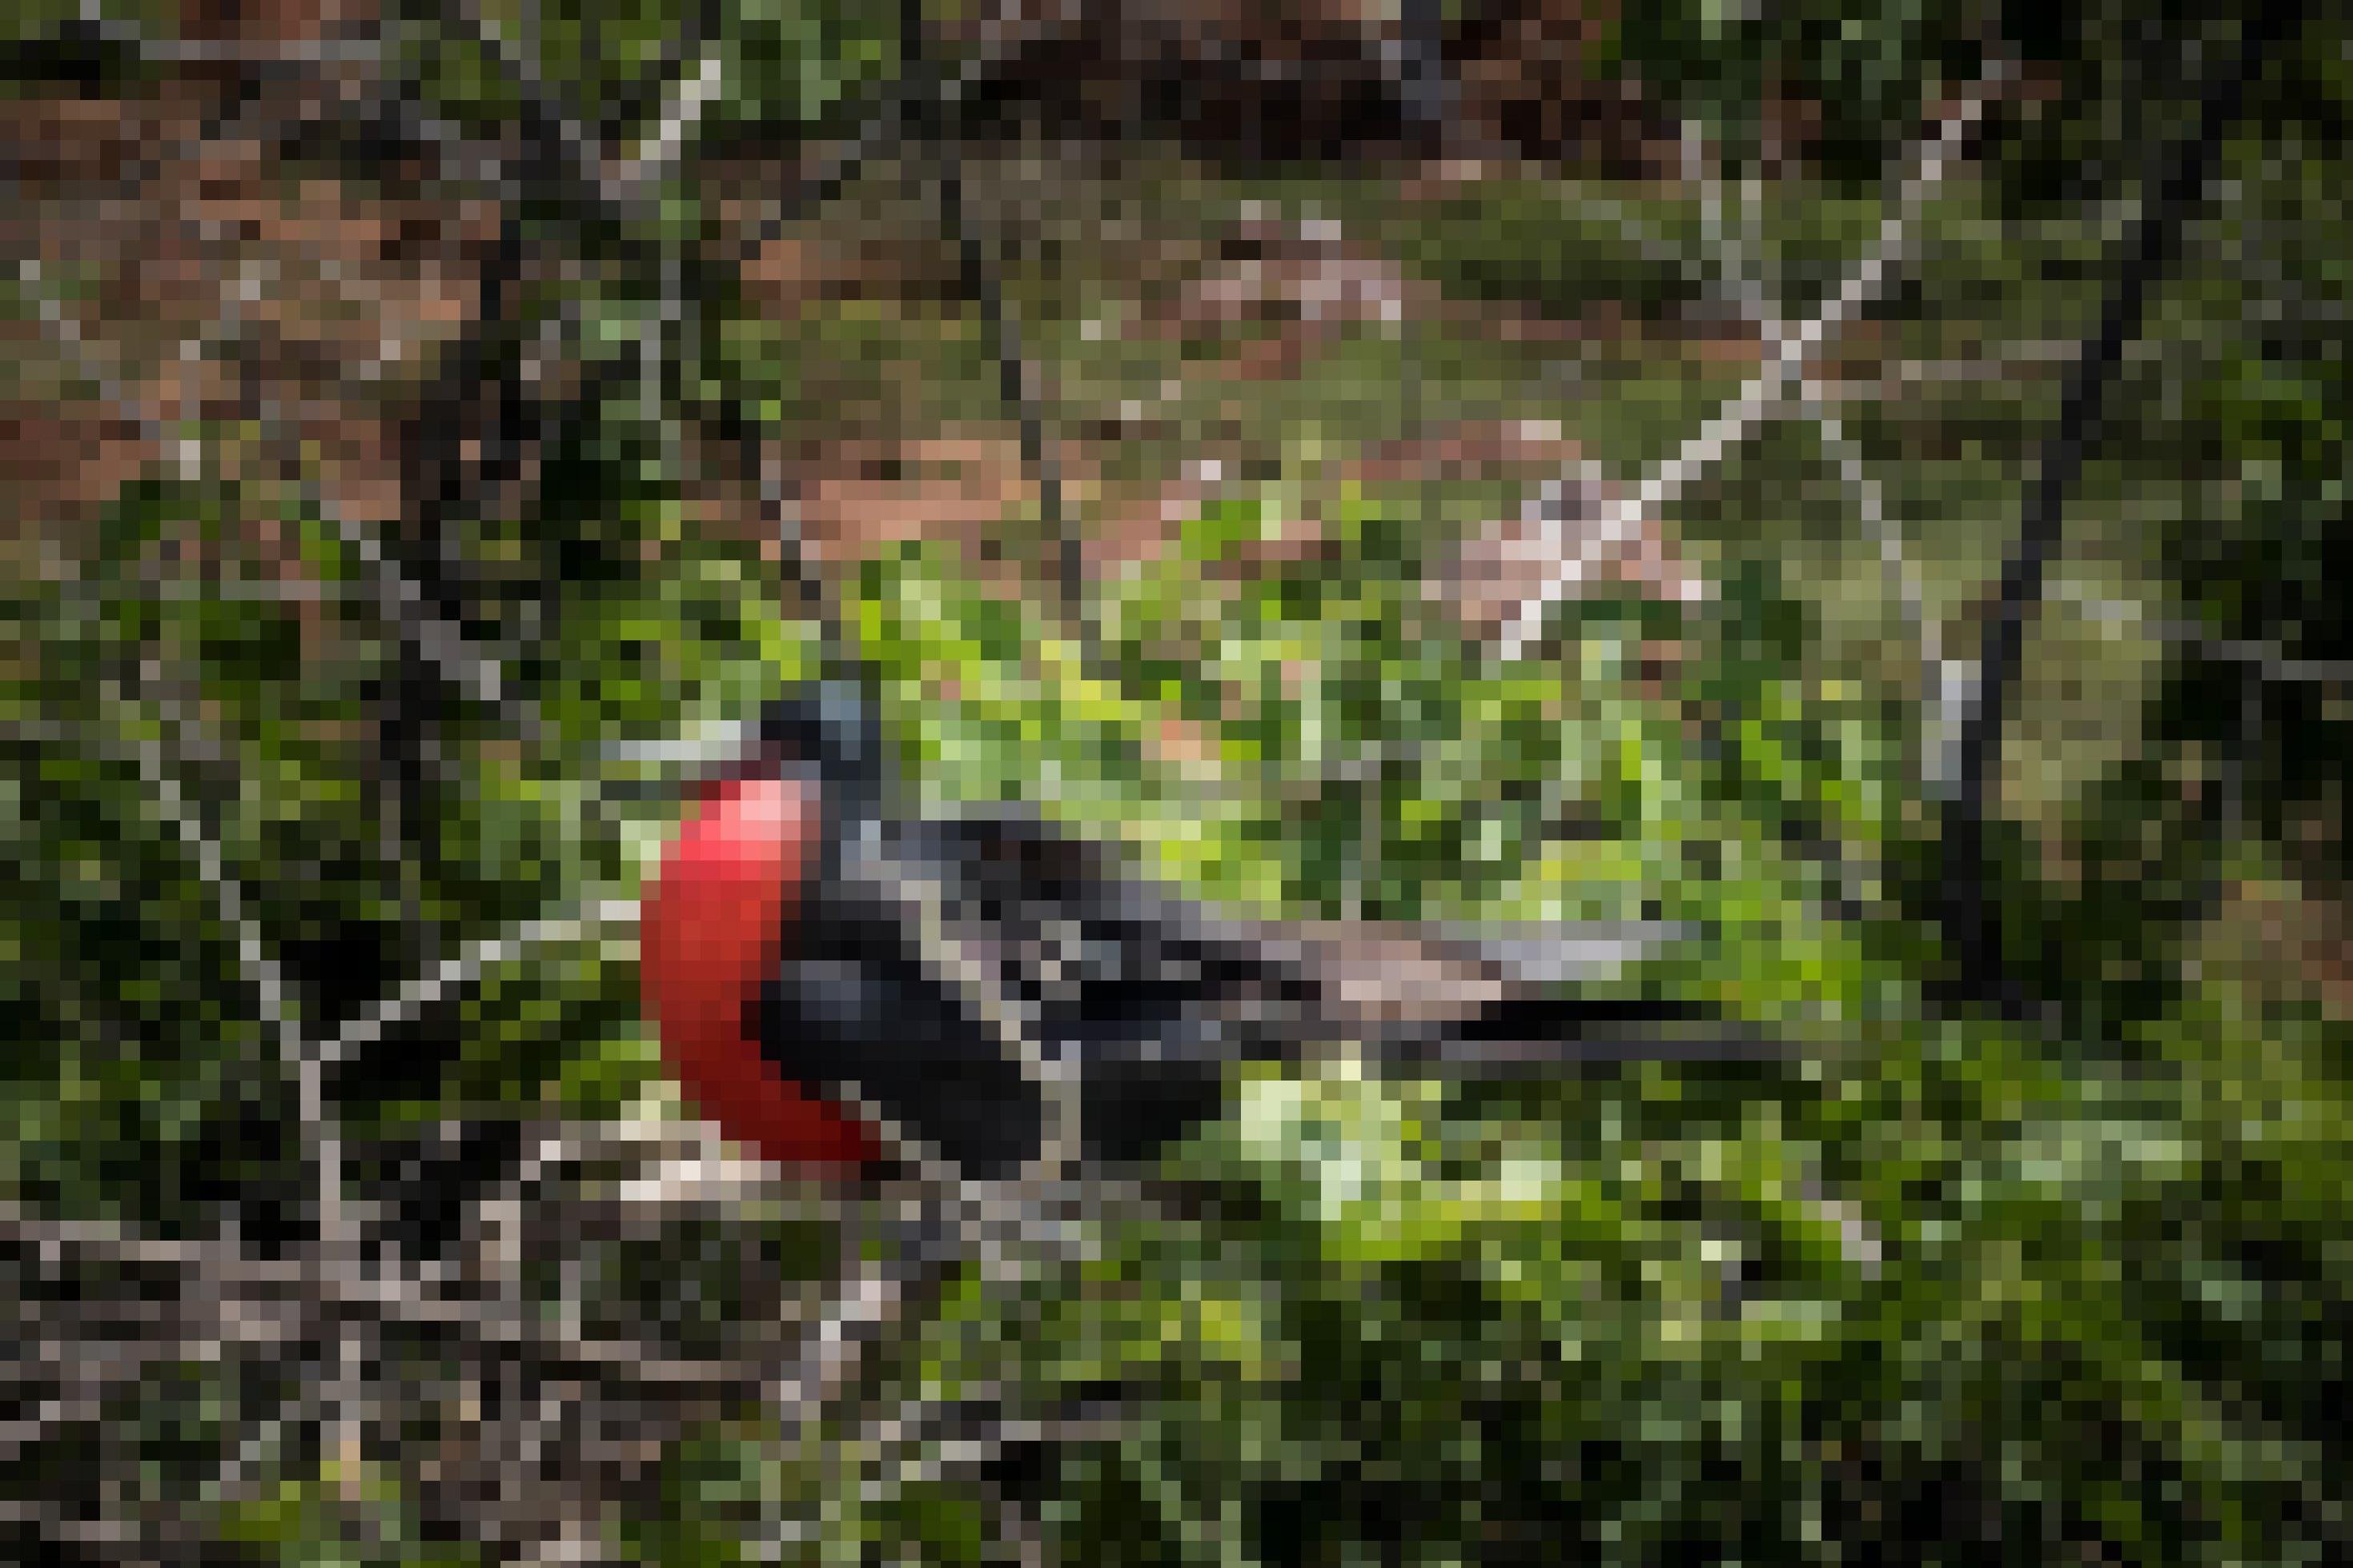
(322, 1139)
(401, 606)
(1764, 395)
(2263, 654)
(867, 1303)
(273, 52)
(465, 967)
(663, 147)
(578, 152)
(246, 1292)
(261, 969)
(961, 1434)
(1972, 917)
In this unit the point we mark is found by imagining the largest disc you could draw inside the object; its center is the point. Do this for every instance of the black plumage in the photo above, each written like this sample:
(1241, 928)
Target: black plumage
(945, 974)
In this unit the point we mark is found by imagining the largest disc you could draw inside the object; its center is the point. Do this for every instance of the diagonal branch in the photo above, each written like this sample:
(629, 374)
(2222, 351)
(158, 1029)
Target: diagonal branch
(1765, 394)
(336, 1406)
(666, 143)
(566, 144)
(2168, 198)
(1017, 386)
(260, 967)
(463, 968)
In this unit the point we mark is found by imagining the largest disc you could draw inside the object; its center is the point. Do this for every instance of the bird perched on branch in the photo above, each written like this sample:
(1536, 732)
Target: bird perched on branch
(836, 983)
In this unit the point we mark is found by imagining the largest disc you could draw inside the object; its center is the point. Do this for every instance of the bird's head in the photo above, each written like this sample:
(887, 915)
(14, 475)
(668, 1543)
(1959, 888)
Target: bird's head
(829, 730)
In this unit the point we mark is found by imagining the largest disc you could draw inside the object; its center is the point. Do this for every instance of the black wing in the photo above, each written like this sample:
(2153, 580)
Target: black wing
(1150, 995)
(1088, 963)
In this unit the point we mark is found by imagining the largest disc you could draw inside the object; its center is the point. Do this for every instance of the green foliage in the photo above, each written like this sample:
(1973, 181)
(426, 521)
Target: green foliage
(1424, 1321)
(1935, 1289)
(790, 62)
(803, 60)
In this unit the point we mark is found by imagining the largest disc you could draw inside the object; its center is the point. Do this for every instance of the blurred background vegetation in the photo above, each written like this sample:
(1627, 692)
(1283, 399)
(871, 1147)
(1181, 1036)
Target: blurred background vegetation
(379, 476)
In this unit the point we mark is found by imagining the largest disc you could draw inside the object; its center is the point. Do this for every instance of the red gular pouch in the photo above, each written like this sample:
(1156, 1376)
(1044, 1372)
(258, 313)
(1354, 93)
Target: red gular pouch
(713, 930)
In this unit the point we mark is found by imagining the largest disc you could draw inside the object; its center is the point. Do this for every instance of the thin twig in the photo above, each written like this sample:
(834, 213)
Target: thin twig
(261, 970)
(463, 968)
(964, 1433)
(1903, 584)
(239, 1286)
(576, 150)
(2264, 656)
(335, 1245)
(862, 1308)
(160, 1535)
(1001, 332)
(663, 147)
(1745, 280)
(401, 606)
(265, 53)
(886, 126)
